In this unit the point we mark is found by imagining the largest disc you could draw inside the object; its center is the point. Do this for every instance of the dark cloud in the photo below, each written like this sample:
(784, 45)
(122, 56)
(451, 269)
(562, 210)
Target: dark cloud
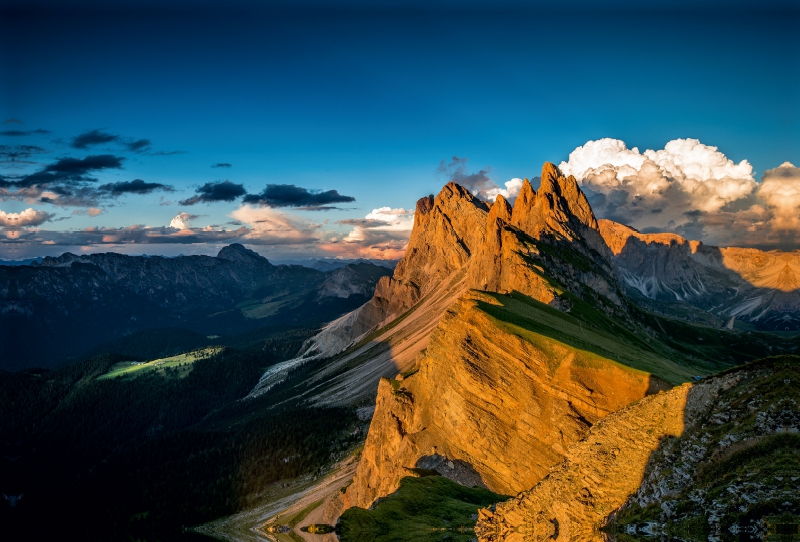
(67, 170)
(216, 191)
(93, 137)
(364, 222)
(19, 133)
(289, 195)
(13, 121)
(65, 182)
(222, 164)
(136, 186)
(138, 145)
(456, 171)
(19, 153)
(98, 137)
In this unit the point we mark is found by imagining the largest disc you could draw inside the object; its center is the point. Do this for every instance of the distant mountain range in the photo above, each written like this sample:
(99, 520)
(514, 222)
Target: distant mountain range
(760, 289)
(329, 264)
(59, 308)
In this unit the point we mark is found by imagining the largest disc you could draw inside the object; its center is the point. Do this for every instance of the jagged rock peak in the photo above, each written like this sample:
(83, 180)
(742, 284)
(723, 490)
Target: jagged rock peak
(525, 199)
(501, 209)
(559, 206)
(567, 190)
(424, 205)
(65, 260)
(238, 253)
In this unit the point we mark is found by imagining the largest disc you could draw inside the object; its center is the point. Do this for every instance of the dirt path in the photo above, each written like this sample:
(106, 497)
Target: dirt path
(244, 526)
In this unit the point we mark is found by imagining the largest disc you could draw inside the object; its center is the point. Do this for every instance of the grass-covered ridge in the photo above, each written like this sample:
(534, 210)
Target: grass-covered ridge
(542, 325)
(424, 509)
(174, 366)
(672, 350)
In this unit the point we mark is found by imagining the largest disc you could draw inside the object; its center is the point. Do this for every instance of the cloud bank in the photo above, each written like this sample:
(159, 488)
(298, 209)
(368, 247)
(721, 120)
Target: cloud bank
(382, 234)
(216, 191)
(27, 218)
(289, 195)
(688, 188)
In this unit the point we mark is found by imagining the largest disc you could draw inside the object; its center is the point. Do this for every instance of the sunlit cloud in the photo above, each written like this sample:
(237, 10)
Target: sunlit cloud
(26, 218)
(270, 227)
(688, 188)
(382, 234)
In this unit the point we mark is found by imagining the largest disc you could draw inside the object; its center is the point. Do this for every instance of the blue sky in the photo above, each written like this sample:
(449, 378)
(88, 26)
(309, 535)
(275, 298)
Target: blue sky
(366, 103)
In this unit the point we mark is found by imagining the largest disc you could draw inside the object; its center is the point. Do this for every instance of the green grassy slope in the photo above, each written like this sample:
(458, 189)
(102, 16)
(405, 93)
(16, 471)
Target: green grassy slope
(424, 509)
(598, 338)
(174, 366)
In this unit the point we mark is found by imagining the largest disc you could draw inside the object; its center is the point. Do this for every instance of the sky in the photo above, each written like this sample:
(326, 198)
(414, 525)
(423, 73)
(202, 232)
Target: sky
(310, 129)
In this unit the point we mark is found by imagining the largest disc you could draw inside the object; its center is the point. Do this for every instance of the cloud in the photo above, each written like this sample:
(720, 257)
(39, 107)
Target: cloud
(780, 191)
(20, 133)
(27, 218)
(363, 222)
(270, 227)
(289, 195)
(65, 182)
(92, 137)
(691, 189)
(216, 191)
(98, 137)
(182, 221)
(13, 121)
(67, 170)
(166, 153)
(91, 211)
(480, 183)
(136, 186)
(381, 234)
(19, 154)
(136, 234)
(222, 164)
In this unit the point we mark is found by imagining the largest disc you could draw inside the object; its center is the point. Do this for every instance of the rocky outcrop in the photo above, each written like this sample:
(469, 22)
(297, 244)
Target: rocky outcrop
(546, 244)
(595, 478)
(698, 458)
(490, 404)
(352, 279)
(448, 412)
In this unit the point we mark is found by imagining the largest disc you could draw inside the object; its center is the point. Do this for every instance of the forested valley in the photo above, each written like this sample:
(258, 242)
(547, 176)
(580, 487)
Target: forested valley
(143, 455)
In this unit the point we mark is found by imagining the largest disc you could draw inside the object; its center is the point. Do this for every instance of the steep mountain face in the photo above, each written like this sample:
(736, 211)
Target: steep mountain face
(495, 249)
(66, 305)
(734, 284)
(489, 403)
(447, 415)
(710, 461)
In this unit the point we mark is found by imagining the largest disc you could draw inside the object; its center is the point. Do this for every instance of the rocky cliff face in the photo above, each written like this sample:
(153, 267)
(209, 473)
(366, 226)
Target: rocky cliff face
(713, 460)
(486, 405)
(758, 287)
(497, 248)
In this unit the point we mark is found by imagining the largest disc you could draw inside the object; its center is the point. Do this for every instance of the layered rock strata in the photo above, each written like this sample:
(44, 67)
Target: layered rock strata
(499, 408)
(492, 404)
(716, 459)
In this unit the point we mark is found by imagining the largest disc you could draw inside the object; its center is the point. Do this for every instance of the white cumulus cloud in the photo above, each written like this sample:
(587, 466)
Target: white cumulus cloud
(780, 190)
(28, 217)
(689, 188)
